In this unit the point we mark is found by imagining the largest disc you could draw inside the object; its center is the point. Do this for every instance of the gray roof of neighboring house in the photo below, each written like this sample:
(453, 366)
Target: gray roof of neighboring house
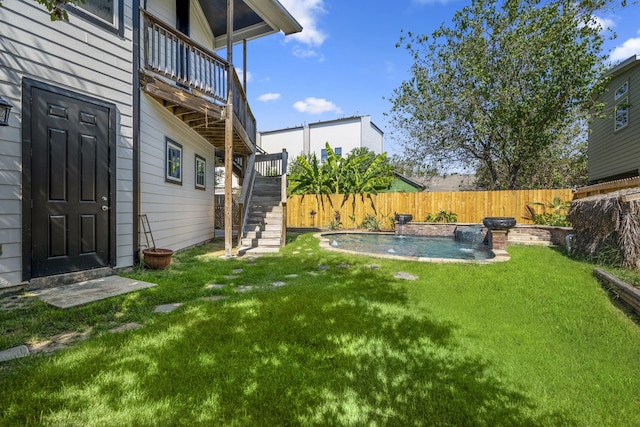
(410, 181)
(453, 182)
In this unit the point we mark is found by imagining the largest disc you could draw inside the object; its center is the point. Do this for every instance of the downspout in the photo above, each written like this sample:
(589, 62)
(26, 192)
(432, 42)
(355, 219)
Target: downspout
(228, 139)
(136, 129)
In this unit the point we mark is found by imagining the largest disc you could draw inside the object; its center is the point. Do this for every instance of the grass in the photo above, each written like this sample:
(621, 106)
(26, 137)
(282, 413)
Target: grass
(533, 341)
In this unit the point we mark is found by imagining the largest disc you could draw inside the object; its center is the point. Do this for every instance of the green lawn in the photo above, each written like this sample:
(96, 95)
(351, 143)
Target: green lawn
(534, 341)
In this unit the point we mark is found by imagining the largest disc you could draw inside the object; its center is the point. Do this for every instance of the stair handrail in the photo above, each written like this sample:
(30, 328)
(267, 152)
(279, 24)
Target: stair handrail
(245, 195)
(264, 165)
(283, 195)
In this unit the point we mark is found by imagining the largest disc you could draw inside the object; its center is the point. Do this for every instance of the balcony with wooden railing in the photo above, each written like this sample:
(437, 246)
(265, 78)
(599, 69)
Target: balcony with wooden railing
(191, 81)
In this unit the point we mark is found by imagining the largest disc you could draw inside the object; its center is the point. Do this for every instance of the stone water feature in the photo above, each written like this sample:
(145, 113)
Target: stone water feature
(498, 231)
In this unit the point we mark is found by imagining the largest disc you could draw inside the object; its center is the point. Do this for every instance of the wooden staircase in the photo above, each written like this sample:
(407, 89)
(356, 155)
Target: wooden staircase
(265, 222)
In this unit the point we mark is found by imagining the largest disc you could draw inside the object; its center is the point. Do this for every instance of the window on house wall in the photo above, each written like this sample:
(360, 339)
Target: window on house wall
(323, 153)
(173, 162)
(104, 13)
(621, 110)
(201, 172)
(622, 90)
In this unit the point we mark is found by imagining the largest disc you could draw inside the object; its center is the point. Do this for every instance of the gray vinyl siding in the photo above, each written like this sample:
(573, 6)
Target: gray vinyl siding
(180, 216)
(76, 56)
(616, 152)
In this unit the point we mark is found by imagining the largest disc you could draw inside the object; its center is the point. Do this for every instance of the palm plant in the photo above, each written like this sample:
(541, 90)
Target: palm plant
(308, 177)
(554, 212)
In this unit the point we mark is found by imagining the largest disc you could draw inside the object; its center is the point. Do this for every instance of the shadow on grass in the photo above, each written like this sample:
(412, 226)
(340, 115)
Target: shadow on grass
(346, 349)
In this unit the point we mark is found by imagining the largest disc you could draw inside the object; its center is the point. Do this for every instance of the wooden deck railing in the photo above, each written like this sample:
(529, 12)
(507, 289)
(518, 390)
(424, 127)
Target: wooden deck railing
(171, 54)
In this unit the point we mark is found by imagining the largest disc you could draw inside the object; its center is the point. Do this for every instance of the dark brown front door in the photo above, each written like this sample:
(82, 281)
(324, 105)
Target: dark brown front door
(70, 184)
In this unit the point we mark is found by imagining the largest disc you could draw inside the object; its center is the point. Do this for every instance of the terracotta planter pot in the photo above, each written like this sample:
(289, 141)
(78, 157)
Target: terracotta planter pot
(156, 258)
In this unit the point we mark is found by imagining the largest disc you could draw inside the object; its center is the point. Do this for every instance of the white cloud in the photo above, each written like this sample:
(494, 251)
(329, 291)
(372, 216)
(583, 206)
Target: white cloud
(301, 52)
(627, 49)
(602, 24)
(249, 75)
(307, 13)
(313, 105)
(266, 97)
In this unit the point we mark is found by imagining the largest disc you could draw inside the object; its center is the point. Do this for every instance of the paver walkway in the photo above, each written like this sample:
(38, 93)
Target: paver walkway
(89, 291)
(98, 289)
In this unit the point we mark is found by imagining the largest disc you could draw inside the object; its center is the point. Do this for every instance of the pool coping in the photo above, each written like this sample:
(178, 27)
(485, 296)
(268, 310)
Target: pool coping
(499, 254)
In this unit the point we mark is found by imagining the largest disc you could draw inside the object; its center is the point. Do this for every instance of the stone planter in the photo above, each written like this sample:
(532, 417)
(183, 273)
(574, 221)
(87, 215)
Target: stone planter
(156, 258)
(499, 222)
(403, 218)
(498, 226)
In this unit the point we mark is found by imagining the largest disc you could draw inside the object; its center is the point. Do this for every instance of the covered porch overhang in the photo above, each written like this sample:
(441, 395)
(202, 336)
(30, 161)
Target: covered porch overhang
(203, 115)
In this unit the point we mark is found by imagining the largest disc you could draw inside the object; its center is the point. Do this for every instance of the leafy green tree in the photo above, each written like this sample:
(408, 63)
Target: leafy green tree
(361, 172)
(412, 167)
(366, 174)
(55, 8)
(496, 89)
(307, 177)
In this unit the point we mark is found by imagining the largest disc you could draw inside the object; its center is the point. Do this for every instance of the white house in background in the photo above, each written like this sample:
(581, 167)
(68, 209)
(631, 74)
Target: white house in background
(116, 113)
(343, 135)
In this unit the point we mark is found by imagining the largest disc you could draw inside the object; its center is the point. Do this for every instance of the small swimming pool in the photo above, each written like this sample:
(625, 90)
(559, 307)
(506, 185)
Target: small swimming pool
(424, 248)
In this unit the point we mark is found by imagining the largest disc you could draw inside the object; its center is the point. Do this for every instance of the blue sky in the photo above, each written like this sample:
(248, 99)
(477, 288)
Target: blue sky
(345, 62)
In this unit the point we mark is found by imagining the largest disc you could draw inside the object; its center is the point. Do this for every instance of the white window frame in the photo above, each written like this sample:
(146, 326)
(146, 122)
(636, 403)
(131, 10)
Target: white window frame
(169, 162)
(116, 25)
(200, 166)
(621, 91)
(621, 115)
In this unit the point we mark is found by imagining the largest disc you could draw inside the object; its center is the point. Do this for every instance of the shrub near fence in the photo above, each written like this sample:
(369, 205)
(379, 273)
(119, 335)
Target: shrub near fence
(470, 206)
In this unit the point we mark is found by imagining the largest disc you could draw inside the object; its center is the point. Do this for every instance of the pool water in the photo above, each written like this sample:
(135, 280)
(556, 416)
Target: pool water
(410, 246)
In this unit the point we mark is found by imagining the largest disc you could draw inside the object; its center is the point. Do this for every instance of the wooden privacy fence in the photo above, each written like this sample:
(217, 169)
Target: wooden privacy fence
(607, 187)
(470, 206)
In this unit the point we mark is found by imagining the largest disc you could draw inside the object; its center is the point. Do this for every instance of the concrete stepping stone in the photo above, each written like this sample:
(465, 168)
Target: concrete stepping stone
(215, 286)
(278, 284)
(236, 271)
(166, 308)
(244, 288)
(372, 266)
(125, 327)
(296, 252)
(291, 276)
(214, 298)
(323, 267)
(231, 277)
(14, 353)
(344, 265)
(59, 342)
(405, 276)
